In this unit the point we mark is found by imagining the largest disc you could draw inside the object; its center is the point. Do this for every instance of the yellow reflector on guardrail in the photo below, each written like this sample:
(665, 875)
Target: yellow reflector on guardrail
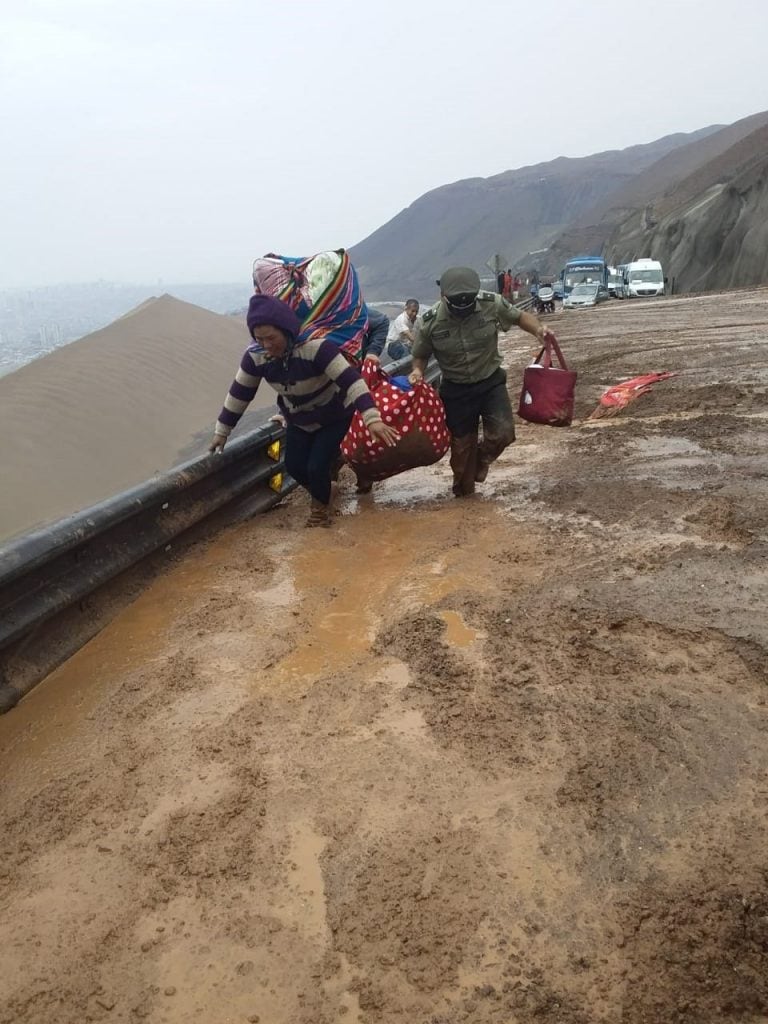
(276, 482)
(273, 451)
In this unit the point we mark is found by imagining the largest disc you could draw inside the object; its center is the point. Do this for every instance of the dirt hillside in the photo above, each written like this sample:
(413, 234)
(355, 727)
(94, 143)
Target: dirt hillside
(700, 210)
(512, 213)
(108, 411)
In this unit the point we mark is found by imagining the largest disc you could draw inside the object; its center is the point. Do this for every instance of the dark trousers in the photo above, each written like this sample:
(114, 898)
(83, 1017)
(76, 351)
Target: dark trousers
(466, 405)
(310, 456)
(397, 350)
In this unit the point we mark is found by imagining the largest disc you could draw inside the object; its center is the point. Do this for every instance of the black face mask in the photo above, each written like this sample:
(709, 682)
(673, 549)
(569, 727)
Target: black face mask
(462, 305)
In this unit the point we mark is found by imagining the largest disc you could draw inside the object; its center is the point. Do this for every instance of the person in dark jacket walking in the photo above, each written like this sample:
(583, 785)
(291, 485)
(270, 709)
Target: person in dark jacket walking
(376, 335)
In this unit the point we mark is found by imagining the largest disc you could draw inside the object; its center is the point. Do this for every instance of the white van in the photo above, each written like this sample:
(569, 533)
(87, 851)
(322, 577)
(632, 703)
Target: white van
(643, 278)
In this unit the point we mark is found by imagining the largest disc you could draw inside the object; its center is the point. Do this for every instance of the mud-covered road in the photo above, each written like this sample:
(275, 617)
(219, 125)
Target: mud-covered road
(502, 759)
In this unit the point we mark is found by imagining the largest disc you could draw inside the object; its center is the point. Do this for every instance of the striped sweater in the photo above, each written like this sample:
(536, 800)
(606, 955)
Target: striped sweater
(316, 385)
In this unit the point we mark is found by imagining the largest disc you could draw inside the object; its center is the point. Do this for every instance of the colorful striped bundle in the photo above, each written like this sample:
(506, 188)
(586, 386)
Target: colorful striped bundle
(324, 292)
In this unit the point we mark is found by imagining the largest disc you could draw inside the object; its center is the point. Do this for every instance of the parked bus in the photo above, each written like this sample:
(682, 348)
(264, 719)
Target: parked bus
(584, 270)
(643, 278)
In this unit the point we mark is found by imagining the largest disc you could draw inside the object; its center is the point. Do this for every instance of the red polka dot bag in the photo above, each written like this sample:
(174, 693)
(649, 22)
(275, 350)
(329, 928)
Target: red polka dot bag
(417, 415)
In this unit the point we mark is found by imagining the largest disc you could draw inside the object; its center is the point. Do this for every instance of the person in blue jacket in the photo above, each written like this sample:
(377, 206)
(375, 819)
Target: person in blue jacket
(376, 336)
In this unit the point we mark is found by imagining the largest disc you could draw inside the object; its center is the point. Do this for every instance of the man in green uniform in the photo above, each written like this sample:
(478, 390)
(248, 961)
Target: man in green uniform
(462, 332)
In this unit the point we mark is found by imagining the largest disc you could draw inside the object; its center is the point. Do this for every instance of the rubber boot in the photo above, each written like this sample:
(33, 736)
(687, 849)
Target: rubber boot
(464, 464)
(481, 470)
(319, 514)
(364, 485)
(489, 449)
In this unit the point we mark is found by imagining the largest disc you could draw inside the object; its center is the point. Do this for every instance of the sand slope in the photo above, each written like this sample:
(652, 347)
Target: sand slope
(113, 408)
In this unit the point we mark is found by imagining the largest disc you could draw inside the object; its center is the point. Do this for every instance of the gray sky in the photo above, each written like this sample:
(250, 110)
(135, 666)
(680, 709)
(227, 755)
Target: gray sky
(178, 139)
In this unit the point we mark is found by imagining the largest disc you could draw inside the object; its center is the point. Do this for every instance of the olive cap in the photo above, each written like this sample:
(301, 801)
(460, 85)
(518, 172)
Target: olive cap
(459, 281)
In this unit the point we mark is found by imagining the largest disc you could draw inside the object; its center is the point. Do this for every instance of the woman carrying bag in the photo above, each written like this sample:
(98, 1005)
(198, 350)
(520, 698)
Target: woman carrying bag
(318, 392)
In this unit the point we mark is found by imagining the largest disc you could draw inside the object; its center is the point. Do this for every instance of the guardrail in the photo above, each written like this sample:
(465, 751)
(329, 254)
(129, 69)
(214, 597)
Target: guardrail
(54, 569)
(45, 572)
(49, 573)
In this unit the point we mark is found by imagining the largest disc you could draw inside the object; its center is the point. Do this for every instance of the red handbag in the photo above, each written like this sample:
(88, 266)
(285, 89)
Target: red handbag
(547, 395)
(418, 416)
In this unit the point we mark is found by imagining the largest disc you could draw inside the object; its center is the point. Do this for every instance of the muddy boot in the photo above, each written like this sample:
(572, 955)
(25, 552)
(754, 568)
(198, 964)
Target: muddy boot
(490, 448)
(481, 470)
(364, 485)
(464, 464)
(319, 514)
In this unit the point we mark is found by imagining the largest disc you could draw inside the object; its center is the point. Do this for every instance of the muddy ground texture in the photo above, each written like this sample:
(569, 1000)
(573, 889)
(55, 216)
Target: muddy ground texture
(496, 759)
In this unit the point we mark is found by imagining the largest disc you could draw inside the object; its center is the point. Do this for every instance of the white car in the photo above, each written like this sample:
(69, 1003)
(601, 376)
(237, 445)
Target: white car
(643, 278)
(585, 295)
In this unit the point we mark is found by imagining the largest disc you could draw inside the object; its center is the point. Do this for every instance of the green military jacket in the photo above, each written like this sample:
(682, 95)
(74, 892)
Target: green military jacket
(467, 351)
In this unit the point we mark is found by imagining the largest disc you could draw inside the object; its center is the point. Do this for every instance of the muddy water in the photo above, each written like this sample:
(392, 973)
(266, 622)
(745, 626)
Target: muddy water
(176, 664)
(458, 633)
(48, 727)
(343, 591)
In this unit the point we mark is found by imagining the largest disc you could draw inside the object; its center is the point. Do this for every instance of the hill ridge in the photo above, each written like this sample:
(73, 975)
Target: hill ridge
(511, 212)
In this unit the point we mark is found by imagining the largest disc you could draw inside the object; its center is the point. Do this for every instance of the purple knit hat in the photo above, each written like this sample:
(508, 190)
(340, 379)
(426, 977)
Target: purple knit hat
(263, 309)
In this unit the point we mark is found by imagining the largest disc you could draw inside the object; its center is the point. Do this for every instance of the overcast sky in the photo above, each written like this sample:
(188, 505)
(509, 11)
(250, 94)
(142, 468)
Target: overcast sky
(177, 139)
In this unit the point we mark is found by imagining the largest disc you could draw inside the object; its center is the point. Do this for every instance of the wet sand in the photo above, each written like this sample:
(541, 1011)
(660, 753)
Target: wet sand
(499, 759)
(112, 409)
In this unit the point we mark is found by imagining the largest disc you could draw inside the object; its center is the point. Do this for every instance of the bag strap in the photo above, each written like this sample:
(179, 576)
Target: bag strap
(544, 358)
(558, 351)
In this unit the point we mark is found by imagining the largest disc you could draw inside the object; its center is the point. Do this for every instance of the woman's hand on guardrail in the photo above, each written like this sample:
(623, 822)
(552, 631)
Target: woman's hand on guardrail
(415, 376)
(379, 431)
(217, 443)
(279, 419)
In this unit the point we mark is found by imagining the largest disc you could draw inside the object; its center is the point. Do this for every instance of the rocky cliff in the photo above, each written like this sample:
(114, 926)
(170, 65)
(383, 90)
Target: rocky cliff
(686, 210)
(511, 213)
(711, 230)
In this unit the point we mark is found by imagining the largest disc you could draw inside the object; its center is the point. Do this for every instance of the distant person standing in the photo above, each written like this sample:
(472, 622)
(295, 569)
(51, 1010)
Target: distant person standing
(462, 332)
(500, 279)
